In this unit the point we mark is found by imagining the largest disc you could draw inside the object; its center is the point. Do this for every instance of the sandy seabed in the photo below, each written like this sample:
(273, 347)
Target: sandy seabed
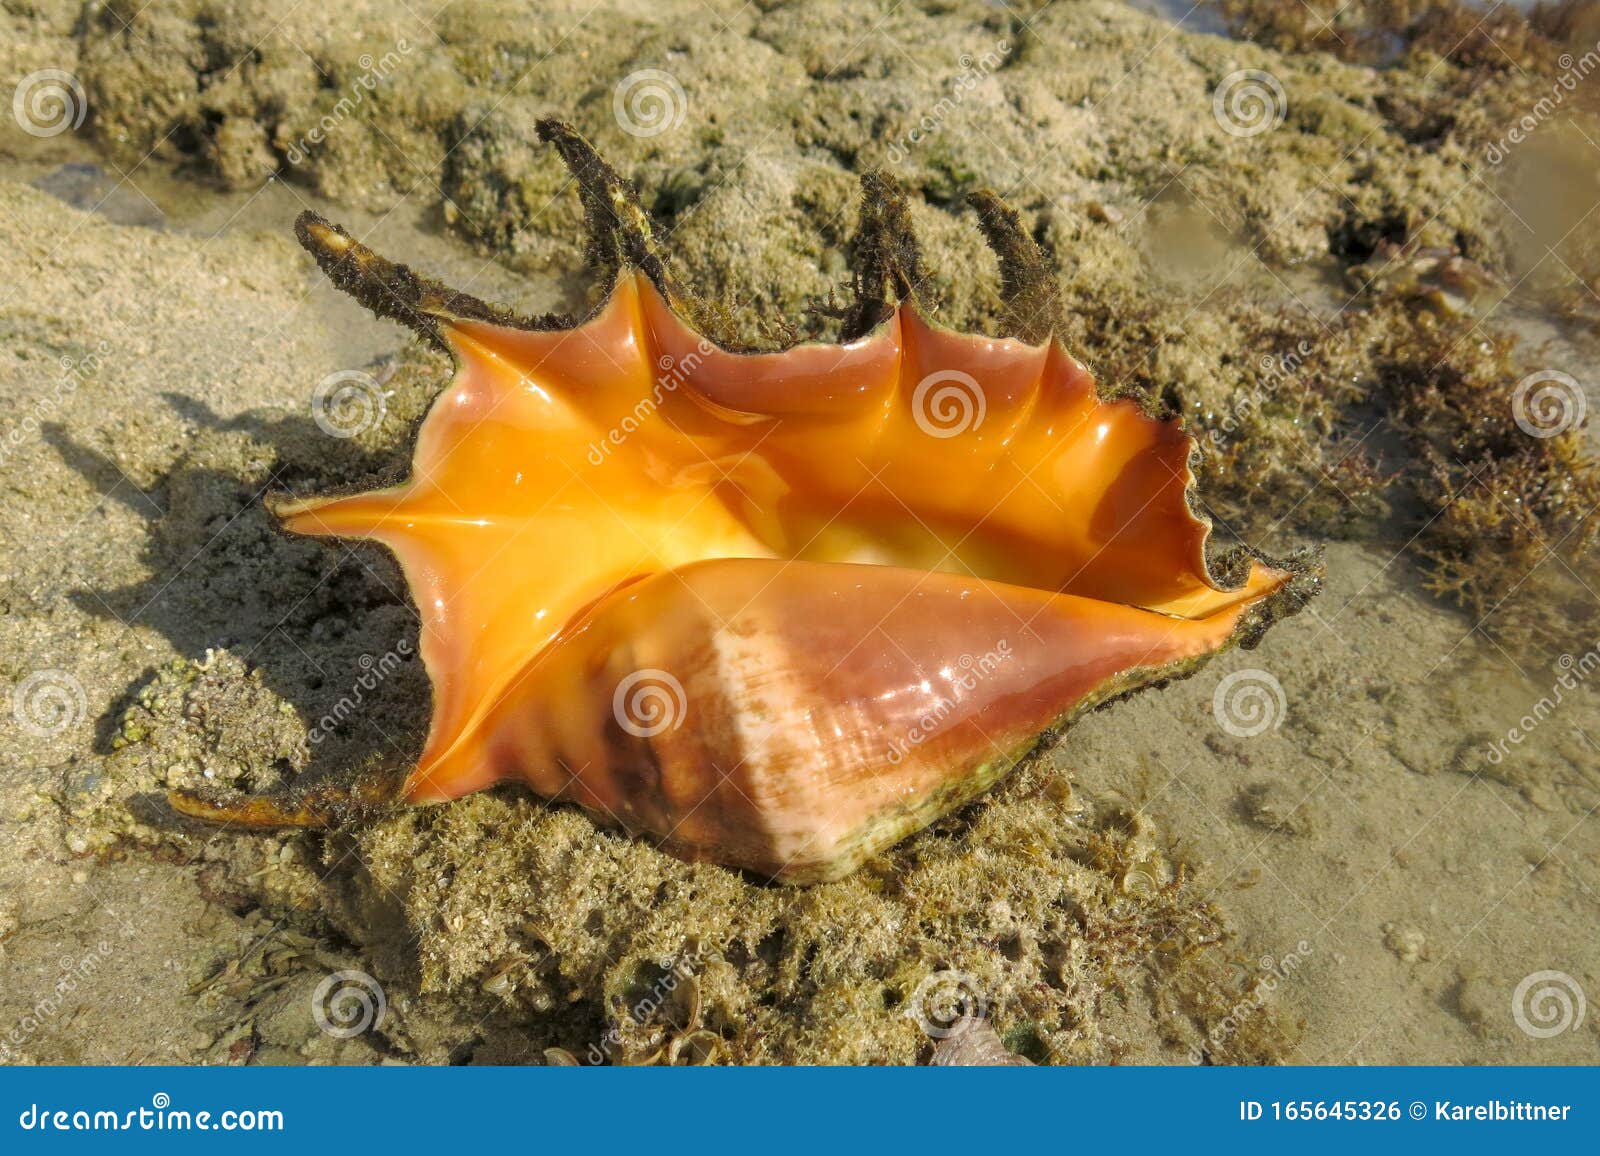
(1402, 866)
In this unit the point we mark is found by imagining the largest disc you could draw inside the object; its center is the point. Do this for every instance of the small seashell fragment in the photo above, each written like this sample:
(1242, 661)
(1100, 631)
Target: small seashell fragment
(979, 1046)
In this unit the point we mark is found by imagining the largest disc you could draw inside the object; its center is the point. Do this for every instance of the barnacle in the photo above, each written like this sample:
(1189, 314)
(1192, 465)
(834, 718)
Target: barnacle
(777, 609)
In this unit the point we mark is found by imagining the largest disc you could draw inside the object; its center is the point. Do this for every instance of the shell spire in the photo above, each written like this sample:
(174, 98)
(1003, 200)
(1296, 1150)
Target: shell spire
(775, 609)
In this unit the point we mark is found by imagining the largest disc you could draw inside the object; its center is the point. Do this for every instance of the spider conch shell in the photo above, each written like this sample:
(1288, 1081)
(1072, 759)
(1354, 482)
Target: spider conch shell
(772, 609)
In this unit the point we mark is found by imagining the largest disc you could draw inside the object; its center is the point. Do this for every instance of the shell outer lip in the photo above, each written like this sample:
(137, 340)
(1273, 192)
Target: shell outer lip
(622, 238)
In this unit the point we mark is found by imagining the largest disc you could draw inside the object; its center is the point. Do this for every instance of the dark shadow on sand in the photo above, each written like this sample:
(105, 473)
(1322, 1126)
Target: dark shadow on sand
(309, 616)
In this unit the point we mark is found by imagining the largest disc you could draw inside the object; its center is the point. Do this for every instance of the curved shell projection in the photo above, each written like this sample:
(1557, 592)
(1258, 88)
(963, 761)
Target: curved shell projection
(772, 609)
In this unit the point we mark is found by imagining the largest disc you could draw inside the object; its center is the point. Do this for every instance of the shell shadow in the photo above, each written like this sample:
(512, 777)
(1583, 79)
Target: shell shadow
(312, 620)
